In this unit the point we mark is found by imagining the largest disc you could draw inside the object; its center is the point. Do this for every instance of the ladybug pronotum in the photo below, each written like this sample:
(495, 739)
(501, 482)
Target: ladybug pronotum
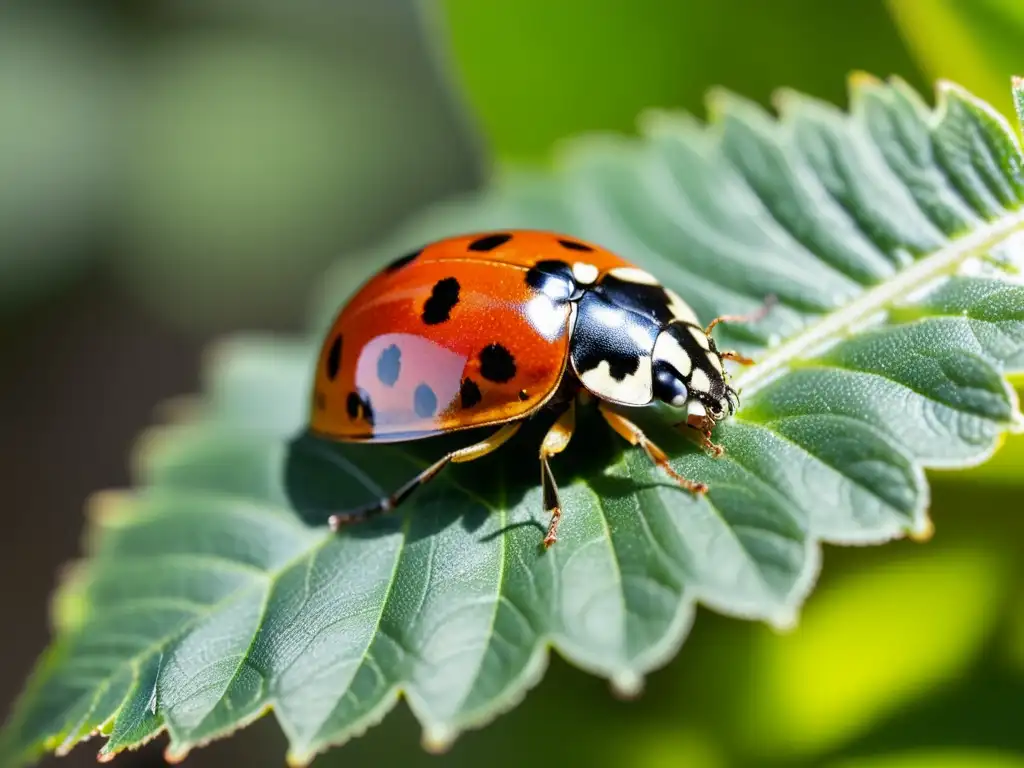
(493, 328)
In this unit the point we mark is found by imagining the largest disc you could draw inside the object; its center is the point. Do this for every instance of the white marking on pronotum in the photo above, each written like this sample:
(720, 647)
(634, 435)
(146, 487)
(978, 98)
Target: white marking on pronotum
(634, 275)
(679, 309)
(699, 381)
(609, 317)
(668, 349)
(639, 335)
(700, 337)
(584, 273)
(547, 317)
(634, 389)
(696, 408)
(716, 362)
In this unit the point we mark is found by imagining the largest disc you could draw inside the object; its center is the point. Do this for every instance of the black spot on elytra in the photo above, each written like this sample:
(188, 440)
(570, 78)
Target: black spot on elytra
(489, 243)
(400, 262)
(334, 358)
(554, 279)
(389, 365)
(572, 245)
(353, 405)
(358, 406)
(445, 295)
(497, 363)
(470, 393)
(424, 401)
(524, 395)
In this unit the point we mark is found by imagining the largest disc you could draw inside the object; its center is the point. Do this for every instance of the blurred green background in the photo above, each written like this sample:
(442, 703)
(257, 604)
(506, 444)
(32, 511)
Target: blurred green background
(171, 171)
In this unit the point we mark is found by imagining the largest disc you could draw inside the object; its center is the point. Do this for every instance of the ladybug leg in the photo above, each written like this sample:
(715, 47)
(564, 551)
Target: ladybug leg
(704, 434)
(736, 357)
(555, 441)
(469, 453)
(750, 317)
(635, 436)
(699, 427)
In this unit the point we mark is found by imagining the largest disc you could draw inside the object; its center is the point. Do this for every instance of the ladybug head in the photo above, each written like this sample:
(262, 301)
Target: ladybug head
(688, 372)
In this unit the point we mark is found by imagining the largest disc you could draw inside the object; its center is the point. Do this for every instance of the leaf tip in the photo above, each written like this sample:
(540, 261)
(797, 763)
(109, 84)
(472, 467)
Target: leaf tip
(1017, 89)
(718, 101)
(219, 353)
(627, 685)
(103, 756)
(175, 754)
(924, 531)
(437, 739)
(72, 740)
(785, 100)
(654, 122)
(180, 409)
(785, 621)
(149, 444)
(859, 78)
(107, 508)
(950, 92)
(861, 85)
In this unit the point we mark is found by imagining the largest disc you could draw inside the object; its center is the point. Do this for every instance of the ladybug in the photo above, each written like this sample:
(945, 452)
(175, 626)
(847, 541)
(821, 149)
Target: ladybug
(490, 329)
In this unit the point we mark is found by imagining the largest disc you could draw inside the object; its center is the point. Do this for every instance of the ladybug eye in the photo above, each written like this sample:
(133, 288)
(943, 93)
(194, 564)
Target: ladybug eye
(668, 385)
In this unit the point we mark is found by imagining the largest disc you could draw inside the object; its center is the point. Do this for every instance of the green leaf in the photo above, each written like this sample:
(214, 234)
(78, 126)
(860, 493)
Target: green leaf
(215, 592)
(975, 44)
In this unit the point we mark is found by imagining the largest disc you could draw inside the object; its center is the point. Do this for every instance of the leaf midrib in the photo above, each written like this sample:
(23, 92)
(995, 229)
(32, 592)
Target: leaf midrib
(831, 326)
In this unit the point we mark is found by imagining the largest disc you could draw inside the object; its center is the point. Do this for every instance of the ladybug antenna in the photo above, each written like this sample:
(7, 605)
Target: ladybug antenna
(751, 317)
(733, 397)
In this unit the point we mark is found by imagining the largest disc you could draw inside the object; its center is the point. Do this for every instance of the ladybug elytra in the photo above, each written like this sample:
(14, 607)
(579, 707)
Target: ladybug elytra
(492, 328)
